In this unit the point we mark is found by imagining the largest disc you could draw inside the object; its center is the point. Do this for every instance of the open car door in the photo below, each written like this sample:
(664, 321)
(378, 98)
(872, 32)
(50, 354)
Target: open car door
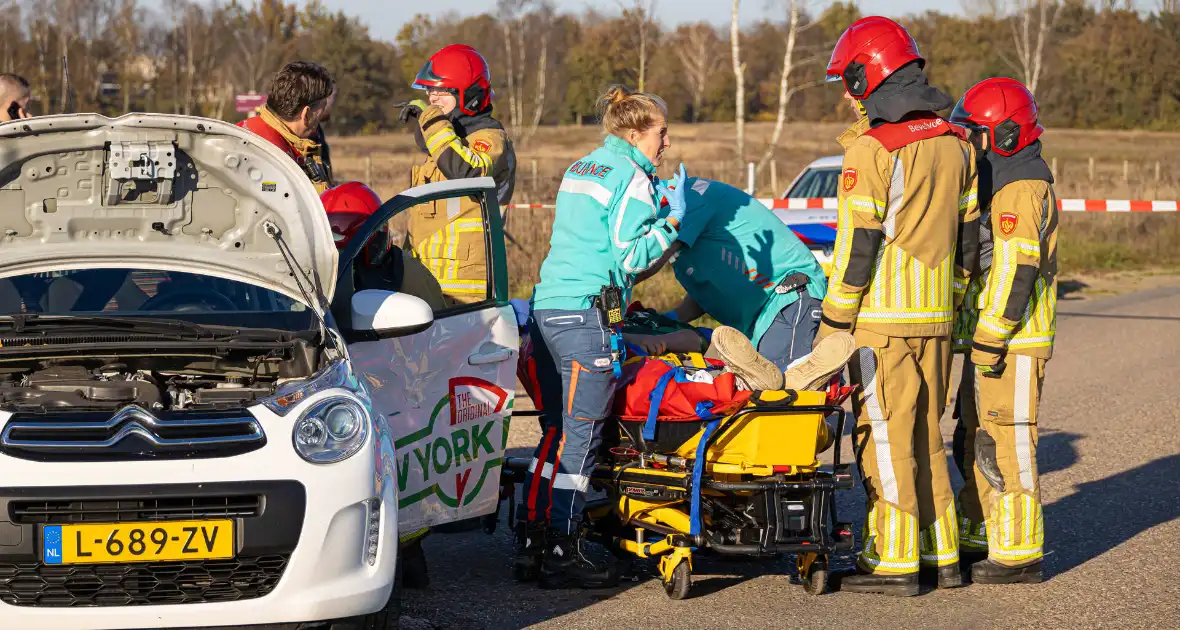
(447, 390)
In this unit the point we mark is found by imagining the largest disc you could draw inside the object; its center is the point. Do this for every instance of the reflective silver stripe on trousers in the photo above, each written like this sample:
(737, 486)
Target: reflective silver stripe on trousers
(546, 470)
(868, 376)
(577, 483)
(1022, 416)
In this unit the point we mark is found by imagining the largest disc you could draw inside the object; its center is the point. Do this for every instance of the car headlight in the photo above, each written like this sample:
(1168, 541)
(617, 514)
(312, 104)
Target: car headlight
(331, 430)
(337, 374)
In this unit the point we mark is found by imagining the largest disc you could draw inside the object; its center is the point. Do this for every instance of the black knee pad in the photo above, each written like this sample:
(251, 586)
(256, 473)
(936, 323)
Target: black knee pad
(985, 460)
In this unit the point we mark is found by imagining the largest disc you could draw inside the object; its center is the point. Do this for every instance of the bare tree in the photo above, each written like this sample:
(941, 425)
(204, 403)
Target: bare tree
(785, 89)
(696, 46)
(264, 38)
(1032, 24)
(39, 27)
(639, 15)
(519, 27)
(127, 36)
(1169, 6)
(739, 78)
(544, 15)
(511, 24)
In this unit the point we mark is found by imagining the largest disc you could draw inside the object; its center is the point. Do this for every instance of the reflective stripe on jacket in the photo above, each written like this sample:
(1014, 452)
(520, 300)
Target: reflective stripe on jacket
(447, 235)
(1012, 302)
(606, 226)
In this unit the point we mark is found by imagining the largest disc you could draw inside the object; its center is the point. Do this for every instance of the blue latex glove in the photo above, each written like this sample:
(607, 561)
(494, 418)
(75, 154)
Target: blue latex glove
(674, 193)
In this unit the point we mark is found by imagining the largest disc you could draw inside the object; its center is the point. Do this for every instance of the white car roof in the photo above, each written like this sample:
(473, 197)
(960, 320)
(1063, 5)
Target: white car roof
(829, 161)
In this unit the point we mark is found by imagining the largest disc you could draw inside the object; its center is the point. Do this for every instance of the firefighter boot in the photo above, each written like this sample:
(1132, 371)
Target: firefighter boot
(950, 576)
(967, 559)
(530, 547)
(855, 581)
(566, 565)
(988, 572)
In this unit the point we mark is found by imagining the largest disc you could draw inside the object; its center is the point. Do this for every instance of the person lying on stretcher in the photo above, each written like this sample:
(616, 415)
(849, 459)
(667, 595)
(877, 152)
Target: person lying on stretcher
(740, 264)
(731, 346)
(648, 333)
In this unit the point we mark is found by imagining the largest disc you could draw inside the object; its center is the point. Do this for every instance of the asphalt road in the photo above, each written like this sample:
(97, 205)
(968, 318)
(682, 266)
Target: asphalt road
(1110, 465)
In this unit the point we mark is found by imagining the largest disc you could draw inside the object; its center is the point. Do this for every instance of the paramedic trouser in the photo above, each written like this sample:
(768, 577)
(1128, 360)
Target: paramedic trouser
(578, 345)
(911, 510)
(996, 451)
(792, 332)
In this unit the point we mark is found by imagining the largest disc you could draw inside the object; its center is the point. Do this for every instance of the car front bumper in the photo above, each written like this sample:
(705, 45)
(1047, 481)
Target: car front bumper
(299, 557)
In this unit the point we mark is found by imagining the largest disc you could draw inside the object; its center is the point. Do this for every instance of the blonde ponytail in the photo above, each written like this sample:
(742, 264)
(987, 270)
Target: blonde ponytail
(622, 109)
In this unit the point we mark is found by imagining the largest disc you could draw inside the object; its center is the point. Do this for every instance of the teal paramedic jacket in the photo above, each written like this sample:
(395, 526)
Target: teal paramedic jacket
(606, 221)
(736, 251)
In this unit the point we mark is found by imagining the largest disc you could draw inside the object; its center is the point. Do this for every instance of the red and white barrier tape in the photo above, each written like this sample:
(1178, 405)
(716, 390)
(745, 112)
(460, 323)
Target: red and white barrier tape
(1066, 205)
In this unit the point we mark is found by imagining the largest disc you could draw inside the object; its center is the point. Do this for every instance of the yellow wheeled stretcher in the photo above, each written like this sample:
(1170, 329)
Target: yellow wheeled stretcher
(748, 483)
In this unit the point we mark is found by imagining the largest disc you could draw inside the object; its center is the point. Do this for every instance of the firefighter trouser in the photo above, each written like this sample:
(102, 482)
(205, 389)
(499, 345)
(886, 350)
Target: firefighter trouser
(576, 345)
(996, 451)
(911, 510)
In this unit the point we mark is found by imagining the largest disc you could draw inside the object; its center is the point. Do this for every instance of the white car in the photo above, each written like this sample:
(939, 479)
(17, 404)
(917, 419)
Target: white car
(203, 424)
(819, 180)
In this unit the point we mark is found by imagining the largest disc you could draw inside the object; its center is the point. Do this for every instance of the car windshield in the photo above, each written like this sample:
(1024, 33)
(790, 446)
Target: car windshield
(816, 183)
(139, 291)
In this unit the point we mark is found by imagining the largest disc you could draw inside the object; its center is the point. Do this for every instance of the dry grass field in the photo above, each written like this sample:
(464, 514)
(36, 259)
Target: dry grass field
(1126, 165)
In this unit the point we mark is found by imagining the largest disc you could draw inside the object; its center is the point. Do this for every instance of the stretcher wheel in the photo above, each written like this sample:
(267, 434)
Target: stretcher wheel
(815, 576)
(681, 583)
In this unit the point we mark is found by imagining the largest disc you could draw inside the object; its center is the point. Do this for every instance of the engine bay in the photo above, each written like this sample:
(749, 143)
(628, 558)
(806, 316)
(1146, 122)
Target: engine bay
(154, 383)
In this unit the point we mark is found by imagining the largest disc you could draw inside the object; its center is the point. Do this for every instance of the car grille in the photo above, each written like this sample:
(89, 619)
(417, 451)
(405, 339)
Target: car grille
(35, 584)
(131, 433)
(53, 512)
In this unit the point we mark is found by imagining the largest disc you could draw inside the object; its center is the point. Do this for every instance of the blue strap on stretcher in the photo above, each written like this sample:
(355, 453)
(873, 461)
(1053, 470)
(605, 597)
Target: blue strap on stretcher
(698, 470)
(704, 411)
(657, 397)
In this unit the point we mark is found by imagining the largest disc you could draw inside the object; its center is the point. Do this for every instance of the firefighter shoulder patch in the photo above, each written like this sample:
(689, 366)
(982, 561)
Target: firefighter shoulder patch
(1008, 221)
(849, 179)
(481, 145)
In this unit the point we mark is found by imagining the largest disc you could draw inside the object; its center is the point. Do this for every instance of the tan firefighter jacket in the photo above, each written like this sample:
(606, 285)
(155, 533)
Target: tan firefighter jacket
(907, 221)
(1011, 303)
(448, 235)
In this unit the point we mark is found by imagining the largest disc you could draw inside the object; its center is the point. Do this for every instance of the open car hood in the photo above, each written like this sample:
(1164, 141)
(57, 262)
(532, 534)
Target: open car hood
(155, 191)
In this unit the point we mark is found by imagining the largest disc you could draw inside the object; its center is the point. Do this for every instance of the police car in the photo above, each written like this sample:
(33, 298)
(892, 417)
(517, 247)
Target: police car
(201, 423)
(819, 180)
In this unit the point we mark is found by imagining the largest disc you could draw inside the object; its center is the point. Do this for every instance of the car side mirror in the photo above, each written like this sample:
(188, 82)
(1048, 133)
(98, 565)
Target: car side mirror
(387, 314)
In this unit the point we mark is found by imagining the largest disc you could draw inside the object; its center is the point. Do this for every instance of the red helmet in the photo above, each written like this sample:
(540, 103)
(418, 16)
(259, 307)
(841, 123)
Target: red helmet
(461, 69)
(348, 206)
(869, 51)
(1003, 107)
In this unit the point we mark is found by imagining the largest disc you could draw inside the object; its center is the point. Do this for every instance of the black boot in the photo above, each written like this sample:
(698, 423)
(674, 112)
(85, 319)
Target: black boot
(950, 576)
(988, 572)
(856, 581)
(969, 558)
(530, 547)
(566, 565)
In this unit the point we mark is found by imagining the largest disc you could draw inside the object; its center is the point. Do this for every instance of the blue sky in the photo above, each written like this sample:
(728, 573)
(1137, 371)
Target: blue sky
(385, 25)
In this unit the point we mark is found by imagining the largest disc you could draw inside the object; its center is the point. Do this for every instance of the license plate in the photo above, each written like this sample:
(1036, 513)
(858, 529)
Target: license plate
(96, 543)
